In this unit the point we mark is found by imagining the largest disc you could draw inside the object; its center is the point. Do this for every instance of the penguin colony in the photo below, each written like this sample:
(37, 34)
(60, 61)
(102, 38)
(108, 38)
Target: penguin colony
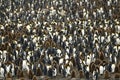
(54, 39)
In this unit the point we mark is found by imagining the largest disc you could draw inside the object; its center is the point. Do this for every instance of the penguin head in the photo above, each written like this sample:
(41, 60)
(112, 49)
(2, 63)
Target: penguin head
(88, 57)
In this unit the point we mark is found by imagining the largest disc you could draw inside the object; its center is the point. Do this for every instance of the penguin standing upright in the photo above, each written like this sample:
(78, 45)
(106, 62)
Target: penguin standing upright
(25, 65)
(87, 75)
(2, 72)
(50, 72)
(54, 72)
(101, 69)
(88, 61)
(95, 74)
(113, 68)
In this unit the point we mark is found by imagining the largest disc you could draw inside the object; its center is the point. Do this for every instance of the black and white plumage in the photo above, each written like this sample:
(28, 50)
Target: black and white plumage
(8, 68)
(71, 27)
(101, 69)
(12, 69)
(25, 65)
(54, 72)
(113, 68)
(68, 71)
(88, 60)
(2, 72)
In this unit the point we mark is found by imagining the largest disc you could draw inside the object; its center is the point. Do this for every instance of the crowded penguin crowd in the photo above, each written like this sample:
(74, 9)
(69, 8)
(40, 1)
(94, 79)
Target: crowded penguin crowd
(59, 39)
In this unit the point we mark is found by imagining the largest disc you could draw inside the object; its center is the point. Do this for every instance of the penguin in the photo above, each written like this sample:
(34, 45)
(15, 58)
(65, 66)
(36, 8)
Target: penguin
(81, 73)
(60, 68)
(18, 73)
(8, 76)
(72, 62)
(68, 70)
(87, 68)
(59, 52)
(62, 12)
(88, 61)
(21, 75)
(70, 39)
(66, 56)
(4, 55)
(13, 70)
(54, 72)
(28, 57)
(106, 74)
(25, 65)
(61, 60)
(50, 72)
(118, 41)
(116, 69)
(34, 78)
(38, 72)
(2, 72)
(87, 75)
(95, 74)
(8, 68)
(28, 27)
(101, 55)
(116, 75)
(45, 70)
(113, 68)
(53, 11)
(92, 67)
(30, 74)
(64, 72)
(73, 74)
(101, 69)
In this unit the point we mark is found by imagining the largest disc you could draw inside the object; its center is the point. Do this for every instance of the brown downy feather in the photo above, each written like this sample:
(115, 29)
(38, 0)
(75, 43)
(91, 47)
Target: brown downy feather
(8, 79)
(117, 75)
(97, 68)
(101, 55)
(39, 72)
(21, 74)
(106, 75)
(46, 79)
(92, 67)
(105, 62)
(81, 73)
(22, 79)
(116, 69)
(18, 73)
(82, 57)
(73, 61)
(34, 78)
(54, 63)
(3, 47)
(98, 61)
(8, 75)
(30, 75)
(73, 74)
